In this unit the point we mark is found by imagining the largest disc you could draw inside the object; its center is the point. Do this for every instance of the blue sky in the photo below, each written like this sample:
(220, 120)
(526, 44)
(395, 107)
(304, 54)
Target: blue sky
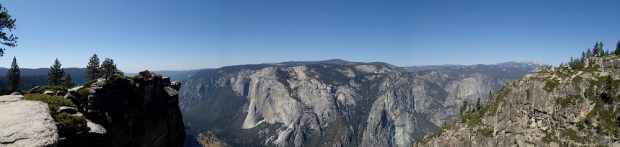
(186, 34)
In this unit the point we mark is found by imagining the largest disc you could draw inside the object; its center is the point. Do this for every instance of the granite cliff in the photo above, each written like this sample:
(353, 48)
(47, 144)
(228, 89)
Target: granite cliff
(327, 103)
(562, 106)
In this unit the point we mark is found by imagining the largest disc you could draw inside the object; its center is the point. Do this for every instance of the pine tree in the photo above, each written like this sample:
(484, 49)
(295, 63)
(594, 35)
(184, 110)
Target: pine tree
(606, 52)
(13, 76)
(583, 55)
(589, 53)
(478, 104)
(92, 69)
(606, 96)
(617, 48)
(6, 23)
(597, 50)
(54, 77)
(68, 82)
(464, 107)
(108, 69)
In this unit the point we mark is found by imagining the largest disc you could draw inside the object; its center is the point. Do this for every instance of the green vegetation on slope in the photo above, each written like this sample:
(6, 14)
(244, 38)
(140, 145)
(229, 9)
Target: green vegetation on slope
(585, 87)
(551, 85)
(67, 123)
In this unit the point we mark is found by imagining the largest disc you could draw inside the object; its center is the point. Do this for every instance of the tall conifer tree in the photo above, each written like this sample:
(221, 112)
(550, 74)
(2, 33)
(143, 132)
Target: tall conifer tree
(13, 76)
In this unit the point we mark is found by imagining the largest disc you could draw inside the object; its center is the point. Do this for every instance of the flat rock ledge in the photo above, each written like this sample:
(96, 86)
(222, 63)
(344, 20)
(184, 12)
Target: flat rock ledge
(26, 123)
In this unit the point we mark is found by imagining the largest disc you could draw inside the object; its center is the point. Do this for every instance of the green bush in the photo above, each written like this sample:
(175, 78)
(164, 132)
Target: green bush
(564, 102)
(83, 94)
(551, 85)
(568, 100)
(488, 132)
(572, 135)
(53, 102)
(66, 123)
(474, 120)
(607, 121)
(471, 119)
(550, 137)
(70, 124)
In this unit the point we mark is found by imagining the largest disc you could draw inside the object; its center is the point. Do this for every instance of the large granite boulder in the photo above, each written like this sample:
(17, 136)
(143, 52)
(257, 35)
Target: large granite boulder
(26, 123)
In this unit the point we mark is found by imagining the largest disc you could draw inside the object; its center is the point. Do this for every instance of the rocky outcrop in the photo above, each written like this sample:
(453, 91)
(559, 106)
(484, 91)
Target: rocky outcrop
(324, 103)
(552, 107)
(139, 111)
(26, 123)
(440, 91)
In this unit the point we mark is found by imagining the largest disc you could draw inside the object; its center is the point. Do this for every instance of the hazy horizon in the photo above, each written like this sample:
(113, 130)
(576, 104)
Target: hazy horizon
(187, 35)
(531, 62)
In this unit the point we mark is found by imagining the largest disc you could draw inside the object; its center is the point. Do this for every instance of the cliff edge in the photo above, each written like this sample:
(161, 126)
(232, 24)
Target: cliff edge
(139, 111)
(562, 106)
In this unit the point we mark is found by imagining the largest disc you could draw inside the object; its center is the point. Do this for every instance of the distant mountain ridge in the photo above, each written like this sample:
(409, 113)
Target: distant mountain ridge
(38, 76)
(475, 66)
(32, 77)
(309, 102)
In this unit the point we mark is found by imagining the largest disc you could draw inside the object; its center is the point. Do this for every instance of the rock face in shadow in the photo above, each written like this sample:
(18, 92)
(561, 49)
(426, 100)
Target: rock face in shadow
(141, 111)
(26, 123)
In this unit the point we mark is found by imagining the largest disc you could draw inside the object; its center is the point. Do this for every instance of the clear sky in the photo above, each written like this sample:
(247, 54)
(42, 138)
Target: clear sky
(186, 34)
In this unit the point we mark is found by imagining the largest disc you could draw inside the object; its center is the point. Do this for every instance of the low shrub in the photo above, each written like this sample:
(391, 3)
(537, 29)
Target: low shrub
(67, 123)
(572, 135)
(488, 132)
(70, 124)
(551, 85)
(53, 102)
(550, 137)
(83, 94)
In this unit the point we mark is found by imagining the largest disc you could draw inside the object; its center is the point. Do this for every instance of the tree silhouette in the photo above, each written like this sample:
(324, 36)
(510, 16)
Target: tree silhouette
(6, 23)
(108, 69)
(92, 69)
(478, 104)
(13, 76)
(597, 50)
(617, 48)
(54, 77)
(464, 107)
(68, 82)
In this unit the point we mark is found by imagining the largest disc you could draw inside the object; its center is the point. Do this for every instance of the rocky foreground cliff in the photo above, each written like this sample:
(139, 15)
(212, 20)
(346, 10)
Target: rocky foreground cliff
(552, 107)
(324, 103)
(141, 110)
(138, 111)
